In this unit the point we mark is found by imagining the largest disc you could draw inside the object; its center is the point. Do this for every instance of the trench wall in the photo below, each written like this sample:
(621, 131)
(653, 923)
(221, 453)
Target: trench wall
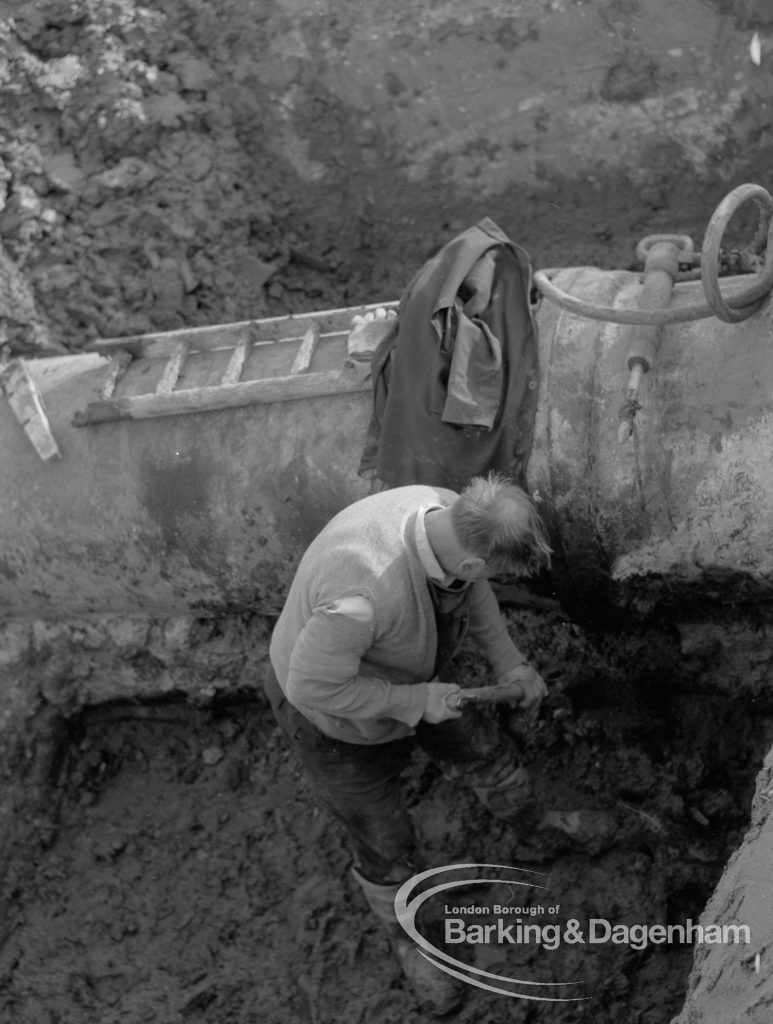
(180, 162)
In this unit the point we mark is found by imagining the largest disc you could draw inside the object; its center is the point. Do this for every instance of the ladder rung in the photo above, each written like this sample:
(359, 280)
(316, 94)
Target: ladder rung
(116, 370)
(303, 357)
(172, 369)
(236, 363)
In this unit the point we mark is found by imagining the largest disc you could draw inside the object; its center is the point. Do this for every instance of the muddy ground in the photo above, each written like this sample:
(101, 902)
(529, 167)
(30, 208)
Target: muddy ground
(190, 876)
(182, 871)
(183, 162)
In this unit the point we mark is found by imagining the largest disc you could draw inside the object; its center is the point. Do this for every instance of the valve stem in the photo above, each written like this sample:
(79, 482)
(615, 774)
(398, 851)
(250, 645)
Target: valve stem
(631, 405)
(661, 255)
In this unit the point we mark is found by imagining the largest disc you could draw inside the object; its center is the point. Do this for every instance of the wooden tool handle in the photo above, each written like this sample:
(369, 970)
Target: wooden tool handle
(502, 694)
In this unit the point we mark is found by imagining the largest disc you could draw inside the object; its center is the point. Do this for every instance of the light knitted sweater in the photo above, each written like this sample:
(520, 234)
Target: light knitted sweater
(365, 682)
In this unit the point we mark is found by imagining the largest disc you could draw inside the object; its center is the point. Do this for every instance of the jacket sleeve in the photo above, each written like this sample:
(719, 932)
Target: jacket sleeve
(325, 674)
(488, 629)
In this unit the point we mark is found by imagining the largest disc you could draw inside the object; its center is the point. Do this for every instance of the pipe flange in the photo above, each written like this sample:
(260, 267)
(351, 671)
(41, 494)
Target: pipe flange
(683, 243)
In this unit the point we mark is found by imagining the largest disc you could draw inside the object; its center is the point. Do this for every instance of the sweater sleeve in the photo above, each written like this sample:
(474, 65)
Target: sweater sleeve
(325, 674)
(488, 628)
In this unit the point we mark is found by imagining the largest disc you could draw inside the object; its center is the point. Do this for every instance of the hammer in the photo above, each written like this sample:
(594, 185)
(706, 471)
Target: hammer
(505, 693)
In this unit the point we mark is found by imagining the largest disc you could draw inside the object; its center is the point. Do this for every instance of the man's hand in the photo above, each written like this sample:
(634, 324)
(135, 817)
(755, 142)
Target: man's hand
(437, 710)
(530, 681)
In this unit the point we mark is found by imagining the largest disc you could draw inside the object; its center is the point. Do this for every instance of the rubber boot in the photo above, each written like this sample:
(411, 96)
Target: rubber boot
(436, 991)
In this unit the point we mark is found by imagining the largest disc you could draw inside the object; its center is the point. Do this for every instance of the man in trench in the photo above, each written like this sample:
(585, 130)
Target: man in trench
(381, 602)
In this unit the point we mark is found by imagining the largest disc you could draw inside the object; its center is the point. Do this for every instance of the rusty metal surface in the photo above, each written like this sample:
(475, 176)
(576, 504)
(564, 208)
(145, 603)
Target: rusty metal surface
(213, 510)
(686, 502)
(191, 513)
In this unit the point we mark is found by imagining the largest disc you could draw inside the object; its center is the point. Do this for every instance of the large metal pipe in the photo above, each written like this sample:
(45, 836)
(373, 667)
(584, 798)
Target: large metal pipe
(686, 503)
(212, 510)
(189, 513)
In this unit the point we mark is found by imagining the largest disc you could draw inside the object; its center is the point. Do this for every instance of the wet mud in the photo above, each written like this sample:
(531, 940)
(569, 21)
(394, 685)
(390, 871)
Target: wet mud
(188, 874)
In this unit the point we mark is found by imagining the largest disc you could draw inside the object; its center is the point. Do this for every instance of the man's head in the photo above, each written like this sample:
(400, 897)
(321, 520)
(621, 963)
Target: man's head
(491, 529)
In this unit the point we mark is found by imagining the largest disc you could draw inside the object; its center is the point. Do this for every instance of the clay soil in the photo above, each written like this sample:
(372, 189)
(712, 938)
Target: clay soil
(184, 163)
(186, 874)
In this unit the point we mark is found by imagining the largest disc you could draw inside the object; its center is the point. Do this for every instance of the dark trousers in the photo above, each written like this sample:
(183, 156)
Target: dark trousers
(360, 784)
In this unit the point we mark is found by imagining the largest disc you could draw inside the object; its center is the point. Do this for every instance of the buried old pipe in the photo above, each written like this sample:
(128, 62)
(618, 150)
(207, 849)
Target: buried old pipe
(205, 512)
(211, 511)
(681, 510)
(202, 513)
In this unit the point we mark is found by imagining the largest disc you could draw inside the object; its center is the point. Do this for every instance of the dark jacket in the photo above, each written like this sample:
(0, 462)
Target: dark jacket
(455, 385)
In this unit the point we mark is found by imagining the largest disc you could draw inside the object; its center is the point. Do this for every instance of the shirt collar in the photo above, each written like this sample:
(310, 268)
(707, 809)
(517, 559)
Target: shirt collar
(427, 558)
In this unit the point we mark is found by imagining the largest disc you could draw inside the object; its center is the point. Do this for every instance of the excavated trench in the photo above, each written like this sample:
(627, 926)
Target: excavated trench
(176, 867)
(181, 163)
